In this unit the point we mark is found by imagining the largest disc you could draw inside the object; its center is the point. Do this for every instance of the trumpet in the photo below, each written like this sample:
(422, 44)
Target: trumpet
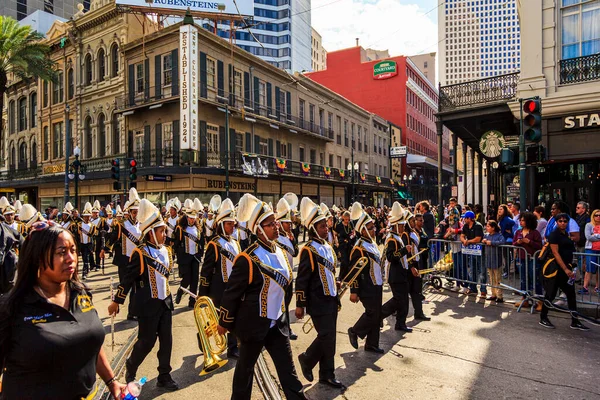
(211, 342)
(353, 274)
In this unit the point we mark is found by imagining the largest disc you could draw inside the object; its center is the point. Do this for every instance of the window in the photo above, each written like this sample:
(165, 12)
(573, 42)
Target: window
(21, 9)
(313, 156)
(311, 115)
(46, 154)
(70, 84)
(139, 78)
(101, 135)
(283, 104)
(210, 73)
(70, 130)
(238, 85)
(262, 93)
(57, 133)
(330, 122)
(116, 140)
(167, 74)
(239, 142)
(580, 28)
(138, 143)
(283, 150)
(22, 155)
(331, 160)
(339, 162)
(101, 65)
(58, 89)
(114, 60)
(45, 93)
(33, 154)
(11, 117)
(167, 141)
(301, 105)
(212, 144)
(87, 68)
(33, 110)
(346, 132)
(22, 114)
(301, 153)
(87, 133)
(263, 146)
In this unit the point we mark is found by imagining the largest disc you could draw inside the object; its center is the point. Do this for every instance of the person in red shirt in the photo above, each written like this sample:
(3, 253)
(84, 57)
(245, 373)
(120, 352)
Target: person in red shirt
(530, 240)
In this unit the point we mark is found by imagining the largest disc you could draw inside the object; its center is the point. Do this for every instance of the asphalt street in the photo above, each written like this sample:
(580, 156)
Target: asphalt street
(470, 350)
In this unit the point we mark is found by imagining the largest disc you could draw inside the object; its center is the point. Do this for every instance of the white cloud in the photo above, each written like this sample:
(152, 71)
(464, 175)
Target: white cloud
(379, 24)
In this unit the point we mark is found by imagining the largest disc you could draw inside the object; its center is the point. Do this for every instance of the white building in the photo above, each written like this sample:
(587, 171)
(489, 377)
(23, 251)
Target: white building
(478, 39)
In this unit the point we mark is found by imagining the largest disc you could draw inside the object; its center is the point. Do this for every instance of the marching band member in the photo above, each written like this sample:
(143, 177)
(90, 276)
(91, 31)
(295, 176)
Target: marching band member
(415, 284)
(397, 247)
(18, 206)
(209, 223)
(173, 207)
(28, 215)
(66, 219)
(124, 239)
(346, 238)
(242, 235)
(253, 303)
(11, 238)
(331, 238)
(218, 262)
(109, 220)
(98, 223)
(189, 242)
(8, 212)
(148, 270)
(85, 233)
(316, 290)
(119, 214)
(368, 287)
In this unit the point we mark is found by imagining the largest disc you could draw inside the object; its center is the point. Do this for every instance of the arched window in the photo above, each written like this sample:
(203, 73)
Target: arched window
(87, 133)
(13, 156)
(23, 156)
(46, 139)
(116, 140)
(70, 84)
(101, 65)
(11, 116)
(101, 136)
(33, 154)
(22, 113)
(114, 60)
(87, 66)
(33, 109)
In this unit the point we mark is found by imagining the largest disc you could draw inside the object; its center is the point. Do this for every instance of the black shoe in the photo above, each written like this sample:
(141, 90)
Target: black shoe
(403, 328)
(234, 352)
(422, 317)
(191, 305)
(129, 372)
(168, 384)
(332, 382)
(374, 349)
(545, 322)
(178, 296)
(499, 300)
(131, 318)
(353, 338)
(306, 371)
(576, 324)
(293, 336)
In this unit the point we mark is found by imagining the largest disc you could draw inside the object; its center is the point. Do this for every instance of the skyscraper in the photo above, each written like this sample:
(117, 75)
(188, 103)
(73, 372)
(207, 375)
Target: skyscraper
(19, 9)
(478, 39)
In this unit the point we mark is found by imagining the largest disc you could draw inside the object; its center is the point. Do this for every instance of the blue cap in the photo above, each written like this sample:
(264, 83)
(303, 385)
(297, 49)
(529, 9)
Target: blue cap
(469, 214)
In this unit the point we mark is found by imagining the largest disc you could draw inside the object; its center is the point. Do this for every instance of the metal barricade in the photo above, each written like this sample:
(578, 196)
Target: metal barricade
(481, 268)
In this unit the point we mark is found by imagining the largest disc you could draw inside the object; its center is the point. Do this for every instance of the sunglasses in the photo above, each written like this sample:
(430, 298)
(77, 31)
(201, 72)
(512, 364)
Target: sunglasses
(596, 215)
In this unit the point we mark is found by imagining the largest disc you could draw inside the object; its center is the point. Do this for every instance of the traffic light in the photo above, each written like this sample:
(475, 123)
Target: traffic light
(132, 172)
(532, 122)
(115, 169)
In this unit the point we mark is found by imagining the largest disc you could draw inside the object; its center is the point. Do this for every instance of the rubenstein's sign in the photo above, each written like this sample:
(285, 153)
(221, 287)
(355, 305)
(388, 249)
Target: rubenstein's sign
(246, 7)
(188, 88)
(385, 70)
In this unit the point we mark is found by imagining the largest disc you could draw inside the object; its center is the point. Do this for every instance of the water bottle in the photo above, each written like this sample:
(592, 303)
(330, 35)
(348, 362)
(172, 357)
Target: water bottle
(572, 280)
(134, 389)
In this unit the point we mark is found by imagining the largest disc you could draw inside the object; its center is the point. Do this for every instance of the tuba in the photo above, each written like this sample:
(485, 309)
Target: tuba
(351, 277)
(210, 341)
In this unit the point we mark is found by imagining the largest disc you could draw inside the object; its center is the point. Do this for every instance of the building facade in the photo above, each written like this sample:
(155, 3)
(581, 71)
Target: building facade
(318, 53)
(563, 69)
(396, 90)
(478, 39)
(19, 9)
(426, 63)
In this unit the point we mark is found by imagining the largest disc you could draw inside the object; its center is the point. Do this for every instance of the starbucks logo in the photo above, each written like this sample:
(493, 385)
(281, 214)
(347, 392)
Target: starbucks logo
(491, 144)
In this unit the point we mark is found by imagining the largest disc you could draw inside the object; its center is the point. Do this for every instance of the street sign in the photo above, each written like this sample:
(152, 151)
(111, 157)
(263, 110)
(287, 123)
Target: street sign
(454, 191)
(512, 190)
(398, 152)
(159, 178)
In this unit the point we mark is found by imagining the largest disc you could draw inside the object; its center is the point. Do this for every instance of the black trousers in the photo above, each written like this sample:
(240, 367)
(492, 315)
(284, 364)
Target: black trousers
(280, 351)
(322, 349)
(86, 257)
(131, 307)
(190, 272)
(398, 303)
(97, 250)
(368, 323)
(159, 325)
(415, 287)
(551, 286)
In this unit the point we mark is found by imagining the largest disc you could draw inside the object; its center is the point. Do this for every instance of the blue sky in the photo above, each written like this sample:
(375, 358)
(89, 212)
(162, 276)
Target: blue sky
(397, 25)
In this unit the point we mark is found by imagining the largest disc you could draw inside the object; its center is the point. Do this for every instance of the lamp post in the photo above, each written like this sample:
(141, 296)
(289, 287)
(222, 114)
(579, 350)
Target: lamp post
(353, 168)
(67, 147)
(76, 173)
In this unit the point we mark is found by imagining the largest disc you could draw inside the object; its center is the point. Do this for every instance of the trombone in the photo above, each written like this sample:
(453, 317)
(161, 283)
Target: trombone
(354, 273)
(207, 321)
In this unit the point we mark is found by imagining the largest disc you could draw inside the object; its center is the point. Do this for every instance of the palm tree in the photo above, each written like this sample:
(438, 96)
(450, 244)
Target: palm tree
(22, 54)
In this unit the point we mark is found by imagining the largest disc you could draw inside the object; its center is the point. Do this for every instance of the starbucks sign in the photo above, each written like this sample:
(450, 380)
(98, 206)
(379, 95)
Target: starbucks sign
(385, 70)
(491, 144)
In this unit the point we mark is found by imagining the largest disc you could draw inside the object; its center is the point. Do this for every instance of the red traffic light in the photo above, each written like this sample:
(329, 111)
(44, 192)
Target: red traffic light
(532, 106)
(115, 162)
(133, 163)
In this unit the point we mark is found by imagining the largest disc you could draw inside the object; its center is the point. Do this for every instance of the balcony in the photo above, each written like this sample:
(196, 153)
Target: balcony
(580, 69)
(146, 97)
(20, 174)
(481, 92)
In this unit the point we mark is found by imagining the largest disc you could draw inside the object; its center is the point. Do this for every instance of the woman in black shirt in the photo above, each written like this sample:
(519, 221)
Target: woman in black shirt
(558, 270)
(50, 333)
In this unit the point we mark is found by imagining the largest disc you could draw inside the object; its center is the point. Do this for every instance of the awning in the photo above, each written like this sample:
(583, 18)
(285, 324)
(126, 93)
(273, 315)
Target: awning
(425, 162)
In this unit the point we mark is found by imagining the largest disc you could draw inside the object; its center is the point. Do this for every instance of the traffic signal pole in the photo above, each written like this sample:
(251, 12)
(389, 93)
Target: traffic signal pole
(522, 166)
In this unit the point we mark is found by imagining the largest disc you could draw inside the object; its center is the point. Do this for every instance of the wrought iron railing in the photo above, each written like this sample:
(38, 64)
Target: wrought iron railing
(148, 95)
(479, 92)
(580, 69)
(22, 173)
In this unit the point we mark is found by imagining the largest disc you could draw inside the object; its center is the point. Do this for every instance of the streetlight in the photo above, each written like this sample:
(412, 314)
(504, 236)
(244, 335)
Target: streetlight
(67, 147)
(353, 171)
(76, 173)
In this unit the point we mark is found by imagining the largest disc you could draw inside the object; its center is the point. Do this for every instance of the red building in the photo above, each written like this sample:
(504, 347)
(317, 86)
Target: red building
(395, 89)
